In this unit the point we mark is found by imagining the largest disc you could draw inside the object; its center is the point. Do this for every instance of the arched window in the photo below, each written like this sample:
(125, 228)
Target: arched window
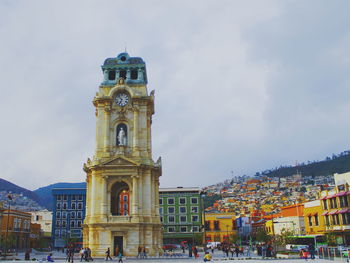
(120, 196)
(122, 135)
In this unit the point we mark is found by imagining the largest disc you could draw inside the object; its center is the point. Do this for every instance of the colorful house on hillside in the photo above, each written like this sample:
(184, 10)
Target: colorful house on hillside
(220, 227)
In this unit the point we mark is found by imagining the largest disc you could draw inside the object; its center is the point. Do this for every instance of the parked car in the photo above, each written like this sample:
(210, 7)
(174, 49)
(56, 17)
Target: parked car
(170, 247)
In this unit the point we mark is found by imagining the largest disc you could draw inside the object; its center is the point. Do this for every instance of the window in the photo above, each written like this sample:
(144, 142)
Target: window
(79, 223)
(122, 74)
(194, 218)
(79, 214)
(194, 209)
(125, 198)
(72, 223)
(171, 201)
(182, 200)
(171, 229)
(182, 209)
(63, 233)
(161, 219)
(73, 197)
(327, 220)
(64, 206)
(310, 220)
(64, 215)
(134, 74)
(58, 214)
(183, 219)
(57, 233)
(80, 197)
(65, 197)
(64, 223)
(194, 200)
(346, 218)
(73, 205)
(160, 201)
(111, 75)
(125, 208)
(80, 206)
(58, 198)
(161, 210)
(183, 229)
(316, 220)
(325, 205)
(171, 219)
(171, 210)
(58, 223)
(195, 229)
(58, 206)
(72, 215)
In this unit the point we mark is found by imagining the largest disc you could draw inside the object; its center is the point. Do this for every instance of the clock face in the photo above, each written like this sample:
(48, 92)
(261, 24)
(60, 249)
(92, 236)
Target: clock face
(122, 99)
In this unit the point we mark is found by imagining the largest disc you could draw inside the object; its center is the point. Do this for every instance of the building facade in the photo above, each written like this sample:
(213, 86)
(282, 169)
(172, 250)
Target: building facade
(336, 209)
(313, 221)
(220, 227)
(122, 179)
(68, 216)
(44, 219)
(15, 229)
(181, 215)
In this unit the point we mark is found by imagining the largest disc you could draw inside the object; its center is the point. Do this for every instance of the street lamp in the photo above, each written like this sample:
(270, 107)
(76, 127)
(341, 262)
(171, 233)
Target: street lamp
(9, 198)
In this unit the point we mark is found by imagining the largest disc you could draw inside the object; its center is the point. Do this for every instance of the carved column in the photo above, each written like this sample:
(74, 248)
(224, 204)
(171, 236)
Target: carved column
(136, 128)
(135, 193)
(104, 204)
(107, 114)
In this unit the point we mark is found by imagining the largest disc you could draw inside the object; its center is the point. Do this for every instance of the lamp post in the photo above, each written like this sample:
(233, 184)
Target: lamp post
(9, 198)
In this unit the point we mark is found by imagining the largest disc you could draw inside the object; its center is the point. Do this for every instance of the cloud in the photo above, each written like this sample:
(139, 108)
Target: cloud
(240, 86)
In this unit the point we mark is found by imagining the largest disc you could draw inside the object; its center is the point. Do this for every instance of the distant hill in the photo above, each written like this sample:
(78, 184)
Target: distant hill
(10, 187)
(45, 193)
(336, 164)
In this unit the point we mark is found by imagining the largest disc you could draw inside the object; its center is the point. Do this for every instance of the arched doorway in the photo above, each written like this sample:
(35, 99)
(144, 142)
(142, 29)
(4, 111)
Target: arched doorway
(120, 199)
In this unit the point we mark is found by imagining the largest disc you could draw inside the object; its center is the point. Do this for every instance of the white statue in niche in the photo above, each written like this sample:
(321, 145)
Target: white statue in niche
(122, 137)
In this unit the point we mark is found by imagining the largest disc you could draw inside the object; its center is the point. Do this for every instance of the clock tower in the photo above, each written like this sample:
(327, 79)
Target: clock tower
(122, 206)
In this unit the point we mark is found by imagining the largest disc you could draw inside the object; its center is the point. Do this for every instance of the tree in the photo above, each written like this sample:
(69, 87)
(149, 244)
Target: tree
(331, 239)
(285, 237)
(262, 235)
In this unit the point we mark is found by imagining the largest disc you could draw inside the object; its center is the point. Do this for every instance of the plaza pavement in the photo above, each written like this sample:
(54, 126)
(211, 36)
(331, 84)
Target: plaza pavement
(217, 257)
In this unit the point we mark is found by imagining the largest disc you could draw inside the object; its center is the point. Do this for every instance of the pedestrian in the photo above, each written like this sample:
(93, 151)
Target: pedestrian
(70, 253)
(120, 256)
(144, 252)
(195, 252)
(189, 250)
(108, 254)
(139, 252)
(237, 251)
(27, 255)
(305, 254)
(49, 258)
(312, 251)
(82, 254)
(207, 257)
(212, 249)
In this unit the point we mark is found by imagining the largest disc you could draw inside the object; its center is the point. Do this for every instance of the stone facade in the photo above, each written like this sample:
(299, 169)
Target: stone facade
(122, 166)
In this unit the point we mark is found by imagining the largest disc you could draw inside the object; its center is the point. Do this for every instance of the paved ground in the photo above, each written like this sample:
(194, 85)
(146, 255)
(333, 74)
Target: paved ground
(217, 257)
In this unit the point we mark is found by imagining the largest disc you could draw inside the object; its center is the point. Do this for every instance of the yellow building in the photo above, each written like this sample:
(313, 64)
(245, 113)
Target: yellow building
(269, 227)
(314, 222)
(122, 180)
(336, 208)
(220, 227)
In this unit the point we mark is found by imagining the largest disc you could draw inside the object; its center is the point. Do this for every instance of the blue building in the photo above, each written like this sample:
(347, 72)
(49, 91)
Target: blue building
(68, 215)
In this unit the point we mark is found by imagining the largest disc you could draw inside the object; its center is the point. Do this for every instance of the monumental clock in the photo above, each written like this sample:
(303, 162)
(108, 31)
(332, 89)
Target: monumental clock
(122, 207)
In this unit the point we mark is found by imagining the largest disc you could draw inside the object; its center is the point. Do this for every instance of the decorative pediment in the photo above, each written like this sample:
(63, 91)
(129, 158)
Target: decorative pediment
(122, 161)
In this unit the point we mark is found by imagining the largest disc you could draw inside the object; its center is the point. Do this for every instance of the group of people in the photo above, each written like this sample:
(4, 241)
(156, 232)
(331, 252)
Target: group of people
(304, 253)
(265, 250)
(141, 252)
(85, 254)
(118, 252)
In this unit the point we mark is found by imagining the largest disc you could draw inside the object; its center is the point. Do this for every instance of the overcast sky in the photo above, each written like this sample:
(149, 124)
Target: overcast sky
(241, 86)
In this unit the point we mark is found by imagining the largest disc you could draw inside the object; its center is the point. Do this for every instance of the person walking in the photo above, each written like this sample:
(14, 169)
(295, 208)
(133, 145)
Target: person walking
(82, 254)
(139, 252)
(108, 254)
(120, 256)
(70, 253)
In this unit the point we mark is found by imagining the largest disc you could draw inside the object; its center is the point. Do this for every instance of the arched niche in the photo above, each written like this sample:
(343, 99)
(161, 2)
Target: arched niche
(121, 134)
(120, 199)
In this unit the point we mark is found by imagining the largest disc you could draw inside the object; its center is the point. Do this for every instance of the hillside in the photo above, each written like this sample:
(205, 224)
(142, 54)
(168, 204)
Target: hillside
(45, 193)
(10, 187)
(336, 164)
